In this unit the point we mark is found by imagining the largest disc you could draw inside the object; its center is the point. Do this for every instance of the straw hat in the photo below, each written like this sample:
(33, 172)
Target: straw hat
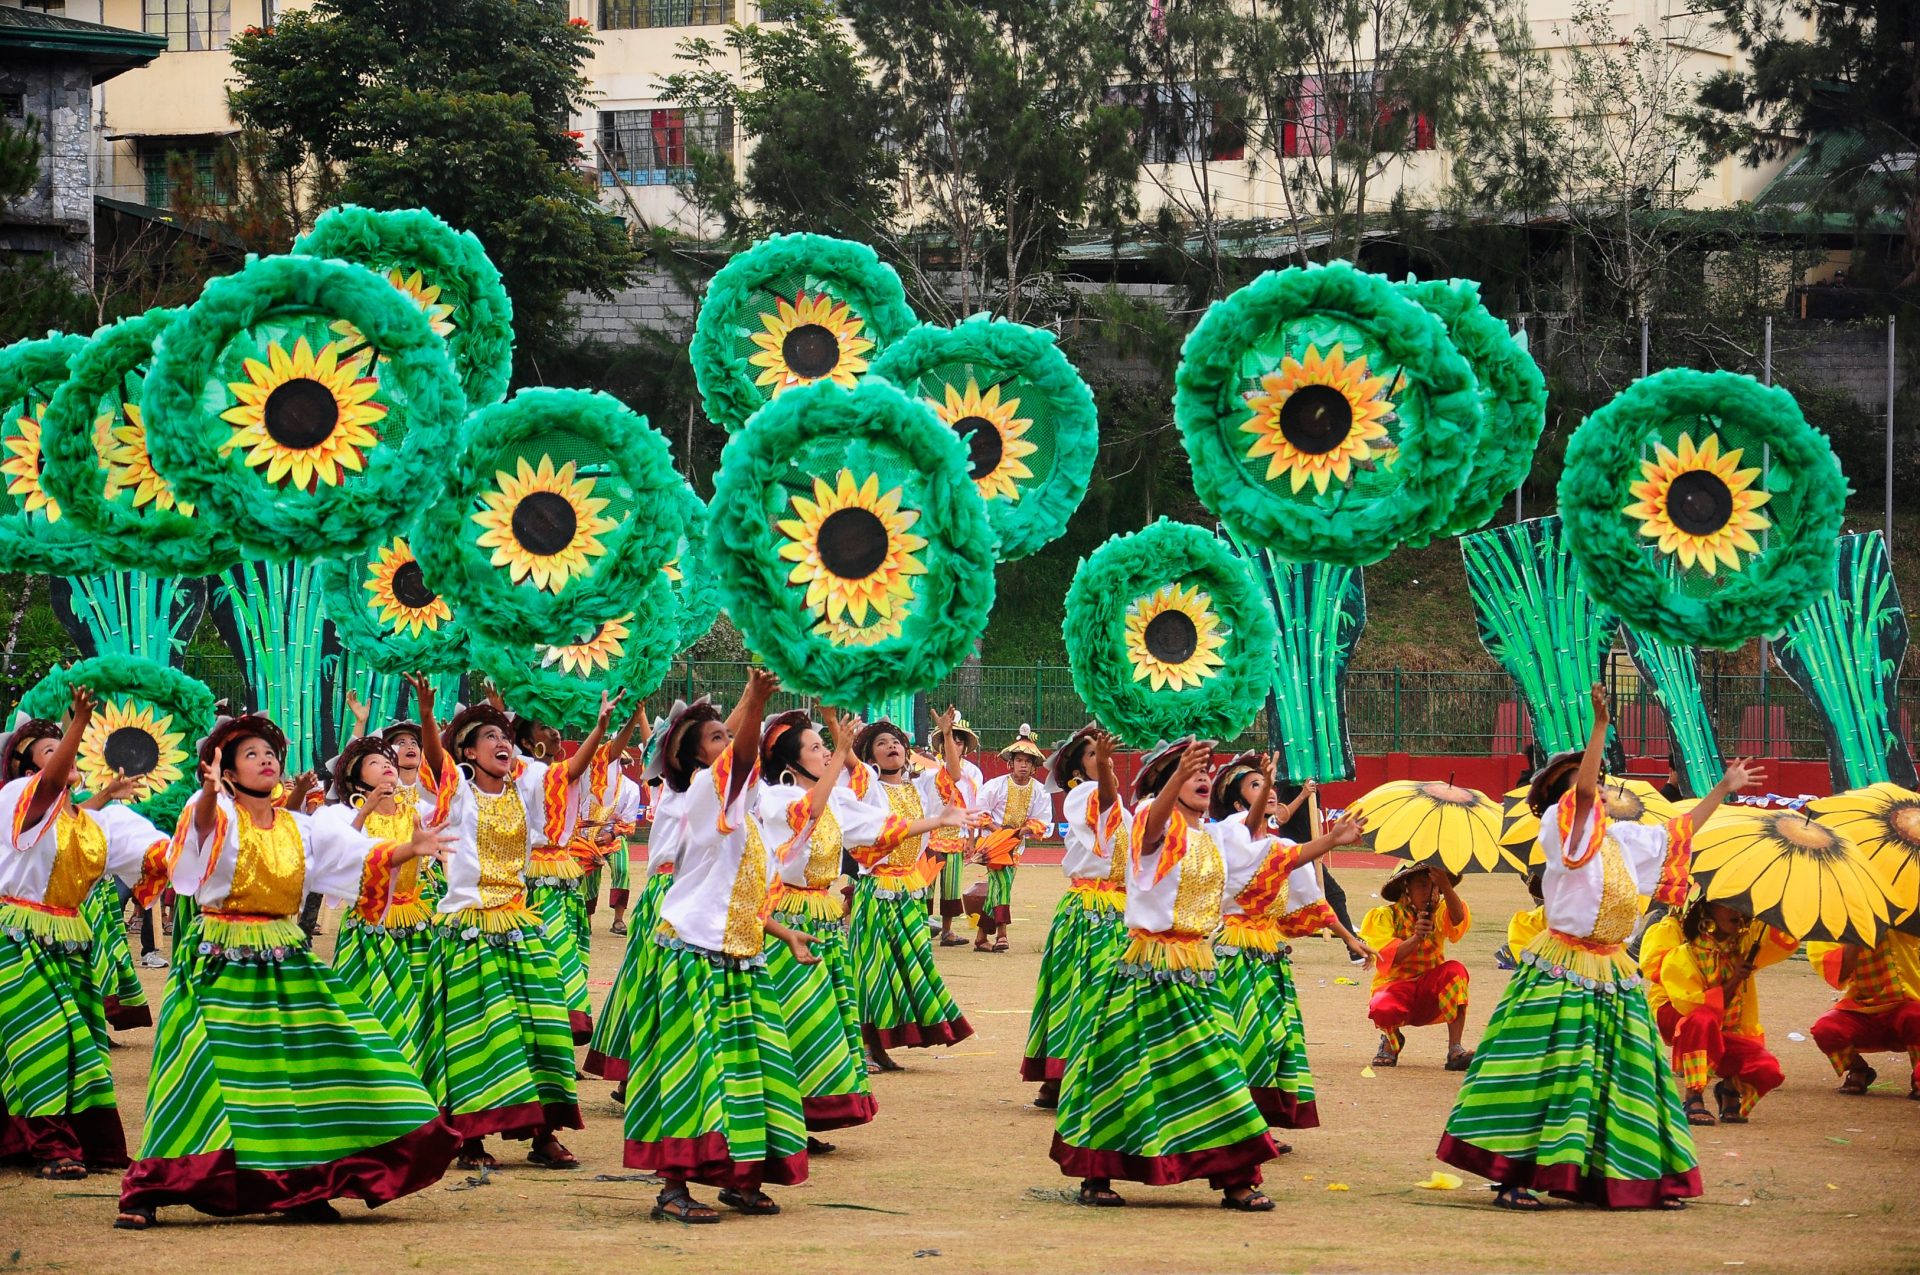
(1159, 759)
(1396, 885)
(968, 737)
(1066, 755)
(1022, 746)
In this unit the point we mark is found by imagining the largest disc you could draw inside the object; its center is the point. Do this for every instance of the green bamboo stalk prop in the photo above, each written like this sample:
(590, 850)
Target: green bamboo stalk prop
(897, 709)
(1674, 672)
(380, 692)
(273, 619)
(133, 613)
(1537, 619)
(1321, 609)
(1844, 652)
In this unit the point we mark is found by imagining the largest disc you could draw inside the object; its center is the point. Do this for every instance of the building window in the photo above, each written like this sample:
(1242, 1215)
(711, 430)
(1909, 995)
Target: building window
(188, 24)
(1179, 125)
(1320, 111)
(617, 15)
(165, 169)
(655, 147)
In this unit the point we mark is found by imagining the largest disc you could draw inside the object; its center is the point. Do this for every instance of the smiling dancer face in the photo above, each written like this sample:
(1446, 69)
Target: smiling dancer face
(489, 750)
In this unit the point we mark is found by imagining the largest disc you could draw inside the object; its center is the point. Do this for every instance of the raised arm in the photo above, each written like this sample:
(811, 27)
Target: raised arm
(1341, 832)
(844, 728)
(751, 712)
(582, 759)
(636, 723)
(53, 776)
(1741, 775)
(1193, 759)
(1257, 808)
(1293, 807)
(432, 756)
(1586, 783)
(949, 742)
(359, 711)
(1104, 773)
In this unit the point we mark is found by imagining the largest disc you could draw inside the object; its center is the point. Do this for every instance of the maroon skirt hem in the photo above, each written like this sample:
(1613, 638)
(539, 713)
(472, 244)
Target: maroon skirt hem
(838, 1111)
(1237, 1164)
(582, 1024)
(598, 1064)
(1565, 1181)
(918, 1035)
(1044, 1069)
(705, 1160)
(126, 1018)
(94, 1137)
(521, 1121)
(212, 1183)
(1283, 1110)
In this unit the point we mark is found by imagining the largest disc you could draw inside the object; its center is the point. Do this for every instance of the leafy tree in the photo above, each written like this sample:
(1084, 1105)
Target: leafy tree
(1846, 67)
(817, 161)
(458, 106)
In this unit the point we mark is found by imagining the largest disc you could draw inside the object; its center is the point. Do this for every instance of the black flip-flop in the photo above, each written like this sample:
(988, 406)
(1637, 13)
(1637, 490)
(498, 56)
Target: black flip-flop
(134, 1220)
(1100, 1198)
(758, 1205)
(663, 1207)
(1519, 1200)
(1256, 1202)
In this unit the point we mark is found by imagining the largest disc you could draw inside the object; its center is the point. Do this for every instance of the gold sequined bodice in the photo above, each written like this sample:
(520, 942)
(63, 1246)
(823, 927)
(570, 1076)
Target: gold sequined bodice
(398, 826)
(1619, 896)
(501, 828)
(823, 851)
(1203, 879)
(904, 801)
(270, 871)
(745, 935)
(79, 857)
(1019, 802)
(1122, 849)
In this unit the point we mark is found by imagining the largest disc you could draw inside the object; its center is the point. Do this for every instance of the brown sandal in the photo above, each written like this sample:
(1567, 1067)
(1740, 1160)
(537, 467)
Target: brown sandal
(554, 1157)
(65, 1169)
(1697, 1113)
(1727, 1098)
(1000, 945)
(1859, 1079)
(677, 1204)
(134, 1220)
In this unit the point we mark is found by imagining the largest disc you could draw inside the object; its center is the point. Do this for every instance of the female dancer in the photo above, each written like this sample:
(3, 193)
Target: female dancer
(613, 1030)
(56, 1088)
(903, 999)
(385, 945)
(947, 847)
(1088, 932)
(1598, 1117)
(711, 1096)
(273, 1088)
(1016, 808)
(807, 815)
(415, 786)
(1158, 1095)
(499, 1051)
(1253, 983)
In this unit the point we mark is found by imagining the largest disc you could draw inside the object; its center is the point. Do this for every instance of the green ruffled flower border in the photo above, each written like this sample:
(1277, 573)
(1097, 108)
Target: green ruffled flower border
(1434, 458)
(859, 277)
(1513, 398)
(172, 693)
(956, 594)
(38, 545)
(482, 342)
(445, 537)
(1131, 566)
(347, 603)
(570, 702)
(275, 522)
(697, 596)
(162, 542)
(1603, 461)
(1040, 515)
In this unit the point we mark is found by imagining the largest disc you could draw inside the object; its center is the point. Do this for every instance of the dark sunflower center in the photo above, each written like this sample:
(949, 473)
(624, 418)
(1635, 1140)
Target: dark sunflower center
(132, 751)
(301, 413)
(1316, 419)
(984, 446)
(1904, 822)
(811, 350)
(1171, 637)
(1812, 839)
(410, 586)
(853, 543)
(1699, 503)
(544, 522)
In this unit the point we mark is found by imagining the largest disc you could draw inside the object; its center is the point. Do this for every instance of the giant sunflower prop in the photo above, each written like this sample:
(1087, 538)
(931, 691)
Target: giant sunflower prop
(388, 613)
(1884, 821)
(1169, 634)
(792, 311)
(1431, 821)
(562, 683)
(1513, 397)
(852, 549)
(145, 726)
(1675, 525)
(1026, 416)
(563, 507)
(1781, 867)
(100, 469)
(298, 440)
(32, 537)
(443, 271)
(1327, 416)
(696, 594)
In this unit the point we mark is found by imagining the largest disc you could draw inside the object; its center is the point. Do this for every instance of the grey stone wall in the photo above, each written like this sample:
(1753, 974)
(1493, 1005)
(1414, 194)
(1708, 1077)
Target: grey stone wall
(654, 303)
(56, 216)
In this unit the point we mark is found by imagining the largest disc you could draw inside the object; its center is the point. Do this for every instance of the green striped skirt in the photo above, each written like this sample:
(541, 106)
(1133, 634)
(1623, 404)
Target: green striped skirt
(823, 1025)
(1158, 1095)
(712, 1097)
(613, 1030)
(273, 1087)
(903, 999)
(56, 1086)
(433, 882)
(1082, 944)
(997, 909)
(563, 920)
(123, 1000)
(1254, 990)
(499, 1051)
(952, 884)
(1569, 1093)
(387, 969)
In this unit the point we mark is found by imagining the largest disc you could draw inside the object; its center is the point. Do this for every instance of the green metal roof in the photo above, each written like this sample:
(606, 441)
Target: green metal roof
(108, 50)
(1842, 181)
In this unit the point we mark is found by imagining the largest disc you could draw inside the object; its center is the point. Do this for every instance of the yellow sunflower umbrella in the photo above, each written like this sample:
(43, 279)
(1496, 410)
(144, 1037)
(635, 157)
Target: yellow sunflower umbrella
(1884, 821)
(1781, 867)
(1627, 801)
(1431, 821)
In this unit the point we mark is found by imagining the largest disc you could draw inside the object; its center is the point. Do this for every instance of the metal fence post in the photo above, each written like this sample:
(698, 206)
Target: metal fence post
(1396, 709)
(1039, 694)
